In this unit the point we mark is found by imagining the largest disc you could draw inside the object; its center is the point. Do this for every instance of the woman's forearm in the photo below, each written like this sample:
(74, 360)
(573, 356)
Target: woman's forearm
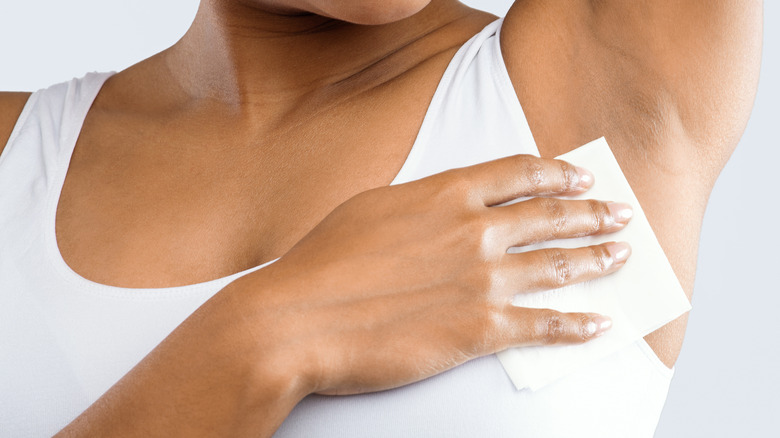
(209, 377)
(395, 285)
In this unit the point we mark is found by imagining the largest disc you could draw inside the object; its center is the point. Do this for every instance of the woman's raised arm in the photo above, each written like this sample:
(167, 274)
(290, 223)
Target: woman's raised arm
(670, 84)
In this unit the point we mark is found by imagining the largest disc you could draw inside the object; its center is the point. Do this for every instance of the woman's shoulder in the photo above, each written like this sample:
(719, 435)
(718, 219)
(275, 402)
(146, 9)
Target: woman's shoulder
(11, 106)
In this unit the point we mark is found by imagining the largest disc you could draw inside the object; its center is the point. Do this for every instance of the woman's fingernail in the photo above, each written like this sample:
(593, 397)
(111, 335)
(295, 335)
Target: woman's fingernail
(619, 251)
(598, 325)
(586, 178)
(620, 212)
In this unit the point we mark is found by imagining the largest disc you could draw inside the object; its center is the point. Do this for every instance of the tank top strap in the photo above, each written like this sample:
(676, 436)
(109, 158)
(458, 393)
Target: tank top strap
(42, 140)
(475, 114)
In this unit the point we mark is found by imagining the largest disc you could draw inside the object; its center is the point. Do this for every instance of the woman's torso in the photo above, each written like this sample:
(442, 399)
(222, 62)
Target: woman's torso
(166, 156)
(116, 203)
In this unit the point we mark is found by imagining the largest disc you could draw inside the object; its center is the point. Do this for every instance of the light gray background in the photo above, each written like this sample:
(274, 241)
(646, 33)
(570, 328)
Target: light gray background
(727, 382)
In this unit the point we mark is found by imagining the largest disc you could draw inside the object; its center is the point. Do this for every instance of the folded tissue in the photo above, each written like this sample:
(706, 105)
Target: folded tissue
(640, 297)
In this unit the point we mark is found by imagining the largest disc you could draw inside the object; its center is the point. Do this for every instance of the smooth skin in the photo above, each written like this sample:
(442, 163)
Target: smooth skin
(270, 104)
(351, 309)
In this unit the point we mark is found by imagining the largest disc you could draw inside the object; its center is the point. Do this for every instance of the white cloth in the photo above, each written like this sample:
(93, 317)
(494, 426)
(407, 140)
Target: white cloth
(64, 340)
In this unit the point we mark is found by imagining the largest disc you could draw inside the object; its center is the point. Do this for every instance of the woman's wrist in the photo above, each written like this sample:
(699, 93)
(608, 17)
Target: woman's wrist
(262, 330)
(274, 394)
(219, 372)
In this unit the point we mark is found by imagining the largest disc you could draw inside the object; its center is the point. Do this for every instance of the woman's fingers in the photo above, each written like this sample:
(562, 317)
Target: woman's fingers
(541, 219)
(526, 327)
(505, 179)
(552, 268)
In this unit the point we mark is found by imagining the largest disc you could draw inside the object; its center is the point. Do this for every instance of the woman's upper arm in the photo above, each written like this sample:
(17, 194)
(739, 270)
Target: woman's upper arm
(685, 67)
(669, 83)
(11, 105)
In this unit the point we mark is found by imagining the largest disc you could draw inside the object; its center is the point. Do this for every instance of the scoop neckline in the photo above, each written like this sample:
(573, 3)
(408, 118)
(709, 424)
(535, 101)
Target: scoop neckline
(68, 143)
(69, 138)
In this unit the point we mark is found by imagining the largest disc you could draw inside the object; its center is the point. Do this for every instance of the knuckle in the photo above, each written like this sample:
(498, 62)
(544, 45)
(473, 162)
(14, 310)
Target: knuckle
(533, 171)
(599, 215)
(555, 213)
(492, 330)
(601, 258)
(551, 328)
(452, 185)
(582, 324)
(459, 185)
(569, 174)
(493, 320)
(485, 234)
(560, 267)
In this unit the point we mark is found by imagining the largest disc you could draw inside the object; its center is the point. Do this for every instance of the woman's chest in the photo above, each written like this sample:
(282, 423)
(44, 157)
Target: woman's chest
(176, 200)
(157, 210)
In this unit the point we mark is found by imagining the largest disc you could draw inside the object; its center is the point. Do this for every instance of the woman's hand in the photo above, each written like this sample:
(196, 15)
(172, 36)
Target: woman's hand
(400, 283)
(397, 284)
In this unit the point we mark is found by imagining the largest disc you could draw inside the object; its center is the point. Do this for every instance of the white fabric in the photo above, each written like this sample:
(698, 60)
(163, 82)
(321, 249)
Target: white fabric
(65, 340)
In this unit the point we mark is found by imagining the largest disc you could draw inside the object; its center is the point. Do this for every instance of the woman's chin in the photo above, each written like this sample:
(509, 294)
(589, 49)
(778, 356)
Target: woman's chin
(370, 12)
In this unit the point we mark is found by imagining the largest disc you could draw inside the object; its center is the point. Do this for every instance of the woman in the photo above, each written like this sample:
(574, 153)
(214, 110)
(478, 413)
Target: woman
(232, 148)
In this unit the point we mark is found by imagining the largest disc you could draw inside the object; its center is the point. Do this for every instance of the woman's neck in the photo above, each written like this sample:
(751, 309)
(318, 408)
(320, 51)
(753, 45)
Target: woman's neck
(241, 55)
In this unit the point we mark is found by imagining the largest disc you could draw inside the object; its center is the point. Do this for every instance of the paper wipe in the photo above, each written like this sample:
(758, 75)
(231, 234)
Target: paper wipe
(640, 297)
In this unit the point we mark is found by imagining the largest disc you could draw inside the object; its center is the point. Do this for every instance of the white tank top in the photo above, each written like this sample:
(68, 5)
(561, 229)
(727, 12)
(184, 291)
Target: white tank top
(64, 340)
